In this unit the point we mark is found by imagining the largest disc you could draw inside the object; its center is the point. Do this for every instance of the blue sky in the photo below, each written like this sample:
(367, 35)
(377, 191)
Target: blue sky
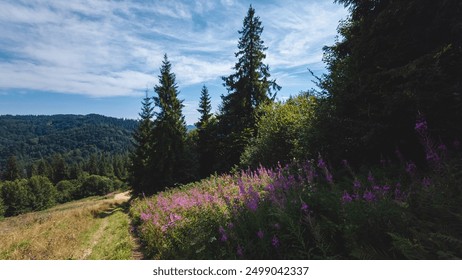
(98, 56)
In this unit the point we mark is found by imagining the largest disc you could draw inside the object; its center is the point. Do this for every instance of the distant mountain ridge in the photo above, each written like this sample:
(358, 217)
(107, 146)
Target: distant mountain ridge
(31, 137)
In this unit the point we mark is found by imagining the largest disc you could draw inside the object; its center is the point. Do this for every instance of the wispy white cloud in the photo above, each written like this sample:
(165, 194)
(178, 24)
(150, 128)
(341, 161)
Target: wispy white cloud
(114, 48)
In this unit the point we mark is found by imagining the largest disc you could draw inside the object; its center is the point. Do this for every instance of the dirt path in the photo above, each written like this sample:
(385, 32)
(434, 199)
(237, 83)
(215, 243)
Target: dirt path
(122, 197)
(119, 198)
(95, 239)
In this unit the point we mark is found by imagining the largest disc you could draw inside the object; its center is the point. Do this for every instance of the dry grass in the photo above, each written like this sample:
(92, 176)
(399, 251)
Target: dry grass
(63, 232)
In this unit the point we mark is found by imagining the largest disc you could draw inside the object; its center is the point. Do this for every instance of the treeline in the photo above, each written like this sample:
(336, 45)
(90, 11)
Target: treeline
(166, 155)
(59, 179)
(395, 62)
(46, 160)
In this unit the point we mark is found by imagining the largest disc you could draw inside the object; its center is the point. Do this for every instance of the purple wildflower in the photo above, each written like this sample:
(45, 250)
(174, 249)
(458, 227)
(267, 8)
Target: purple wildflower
(223, 235)
(145, 216)
(421, 125)
(221, 229)
(239, 251)
(321, 163)
(399, 195)
(370, 177)
(277, 226)
(275, 241)
(260, 234)
(368, 196)
(411, 168)
(252, 200)
(304, 207)
(346, 198)
(356, 184)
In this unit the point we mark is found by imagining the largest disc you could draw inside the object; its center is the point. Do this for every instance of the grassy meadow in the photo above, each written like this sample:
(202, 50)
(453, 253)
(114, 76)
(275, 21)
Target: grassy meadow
(91, 228)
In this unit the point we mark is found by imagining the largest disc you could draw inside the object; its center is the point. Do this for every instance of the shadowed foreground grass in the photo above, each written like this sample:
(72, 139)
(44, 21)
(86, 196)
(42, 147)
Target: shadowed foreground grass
(92, 228)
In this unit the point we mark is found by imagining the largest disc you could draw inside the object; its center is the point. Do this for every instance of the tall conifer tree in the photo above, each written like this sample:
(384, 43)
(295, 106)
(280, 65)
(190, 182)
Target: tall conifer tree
(169, 131)
(12, 171)
(205, 107)
(141, 156)
(248, 87)
(206, 139)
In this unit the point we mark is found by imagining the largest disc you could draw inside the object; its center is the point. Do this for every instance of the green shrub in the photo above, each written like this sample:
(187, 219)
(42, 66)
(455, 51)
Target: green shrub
(119, 185)
(96, 185)
(42, 193)
(68, 190)
(280, 127)
(16, 197)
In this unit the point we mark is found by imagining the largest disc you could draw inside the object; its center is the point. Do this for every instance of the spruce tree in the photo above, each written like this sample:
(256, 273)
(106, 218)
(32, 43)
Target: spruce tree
(206, 140)
(247, 88)
(205, 107)
(12, 171)
(169, 131)
(141, 156)
(60, 168)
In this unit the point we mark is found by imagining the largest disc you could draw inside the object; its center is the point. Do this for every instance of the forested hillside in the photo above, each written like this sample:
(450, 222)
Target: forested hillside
(31, 138)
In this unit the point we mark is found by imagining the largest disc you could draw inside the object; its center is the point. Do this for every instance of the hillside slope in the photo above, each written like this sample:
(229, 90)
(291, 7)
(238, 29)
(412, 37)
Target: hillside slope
(91, 228)
(33, 137)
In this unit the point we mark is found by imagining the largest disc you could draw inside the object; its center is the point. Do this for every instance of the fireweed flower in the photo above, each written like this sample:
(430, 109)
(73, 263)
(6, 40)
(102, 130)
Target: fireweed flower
(252, 200)
(321, 163)
(399, 195)
(421, 125)
(239, 251)
(145, 216)
(304, 207)
(275, 241)
(411, 168)
(260, 234)
(370, 178)
(346, 198)
(426, 182)
(356, 184)
(368, 196)
(223, 235)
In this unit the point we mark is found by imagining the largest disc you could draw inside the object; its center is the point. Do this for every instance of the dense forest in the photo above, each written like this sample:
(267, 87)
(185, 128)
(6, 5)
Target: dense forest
(31, 138)
(53, 159)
